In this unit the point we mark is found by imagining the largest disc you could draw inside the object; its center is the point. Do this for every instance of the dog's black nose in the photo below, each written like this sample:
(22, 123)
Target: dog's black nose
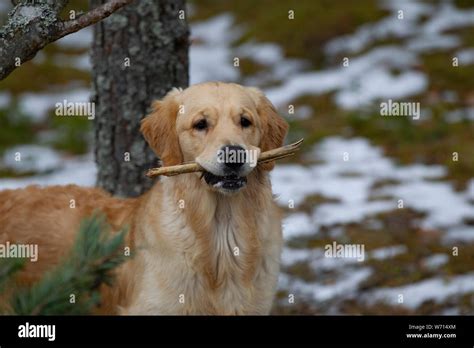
(233, 156)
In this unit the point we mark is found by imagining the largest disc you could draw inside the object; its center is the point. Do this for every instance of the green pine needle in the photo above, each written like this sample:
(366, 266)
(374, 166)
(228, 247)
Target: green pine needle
(7, 268)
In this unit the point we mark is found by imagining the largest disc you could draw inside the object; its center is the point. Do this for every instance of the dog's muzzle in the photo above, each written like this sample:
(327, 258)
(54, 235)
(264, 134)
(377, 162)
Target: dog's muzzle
(232, 159)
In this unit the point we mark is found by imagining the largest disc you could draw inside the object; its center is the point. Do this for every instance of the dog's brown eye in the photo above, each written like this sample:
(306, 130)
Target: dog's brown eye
(200, 125)
(245, 122)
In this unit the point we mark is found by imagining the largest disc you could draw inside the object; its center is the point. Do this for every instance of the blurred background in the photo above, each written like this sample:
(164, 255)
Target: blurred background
(403, 188)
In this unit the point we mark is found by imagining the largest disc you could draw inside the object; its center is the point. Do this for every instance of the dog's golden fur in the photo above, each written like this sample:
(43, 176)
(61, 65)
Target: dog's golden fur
(197, 250)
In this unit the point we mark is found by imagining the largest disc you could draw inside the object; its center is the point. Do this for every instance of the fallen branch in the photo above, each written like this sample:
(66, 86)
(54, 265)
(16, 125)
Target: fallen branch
(267, 156)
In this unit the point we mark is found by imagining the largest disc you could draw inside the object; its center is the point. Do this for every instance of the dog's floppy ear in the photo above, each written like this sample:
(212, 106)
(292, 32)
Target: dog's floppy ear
(274, 126)
(159, 129)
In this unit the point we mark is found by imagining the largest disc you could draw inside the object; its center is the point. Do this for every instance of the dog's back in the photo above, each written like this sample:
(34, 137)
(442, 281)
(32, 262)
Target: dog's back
(50, 218)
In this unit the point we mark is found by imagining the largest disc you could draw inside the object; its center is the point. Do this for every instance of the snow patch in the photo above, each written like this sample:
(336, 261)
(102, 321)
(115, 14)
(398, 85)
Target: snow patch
(435, 261)
(37, 105)
(210, 55)
(388, 252)
(345, 287)
(465, 56)
(31, 158)
(298, 224)
(79, 39)
(464, 234)
(351, 182)
(81, 171)
(5, 100)
(435, 289)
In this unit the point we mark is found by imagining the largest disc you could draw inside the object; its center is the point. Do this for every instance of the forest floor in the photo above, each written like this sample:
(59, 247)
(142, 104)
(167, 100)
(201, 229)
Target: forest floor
(393, 185)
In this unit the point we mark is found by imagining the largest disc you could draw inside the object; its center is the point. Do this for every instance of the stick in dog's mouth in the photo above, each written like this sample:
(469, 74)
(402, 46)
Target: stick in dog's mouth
(267, 156)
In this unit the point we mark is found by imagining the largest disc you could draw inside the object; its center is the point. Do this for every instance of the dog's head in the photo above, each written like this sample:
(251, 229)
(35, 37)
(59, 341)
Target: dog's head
(221, 126)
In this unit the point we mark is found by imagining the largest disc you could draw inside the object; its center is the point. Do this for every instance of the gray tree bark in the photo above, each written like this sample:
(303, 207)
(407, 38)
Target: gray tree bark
(33, 24)
(139, 53)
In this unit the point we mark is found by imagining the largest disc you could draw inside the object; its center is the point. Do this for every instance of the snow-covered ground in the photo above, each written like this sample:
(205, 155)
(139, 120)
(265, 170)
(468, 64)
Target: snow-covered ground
(79, 170)
(413, 295)
(351, 183)
(37, 105)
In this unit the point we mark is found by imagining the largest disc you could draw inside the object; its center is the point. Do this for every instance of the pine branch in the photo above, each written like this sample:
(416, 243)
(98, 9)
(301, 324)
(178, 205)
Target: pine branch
(8, 268)
(90, 264)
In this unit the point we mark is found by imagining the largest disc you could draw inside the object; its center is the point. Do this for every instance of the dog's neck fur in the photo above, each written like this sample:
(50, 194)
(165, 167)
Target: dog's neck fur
(226, 230)
(217, 236)
(221, 251)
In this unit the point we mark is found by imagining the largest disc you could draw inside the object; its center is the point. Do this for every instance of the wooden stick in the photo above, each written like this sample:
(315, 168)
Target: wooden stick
(267, 156)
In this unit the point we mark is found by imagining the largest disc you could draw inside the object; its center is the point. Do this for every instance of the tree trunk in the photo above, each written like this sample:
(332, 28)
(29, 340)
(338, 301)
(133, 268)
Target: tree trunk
(139, 53)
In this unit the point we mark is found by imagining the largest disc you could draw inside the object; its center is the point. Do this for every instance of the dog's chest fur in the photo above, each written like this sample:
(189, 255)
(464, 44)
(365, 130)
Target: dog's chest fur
(217, 257)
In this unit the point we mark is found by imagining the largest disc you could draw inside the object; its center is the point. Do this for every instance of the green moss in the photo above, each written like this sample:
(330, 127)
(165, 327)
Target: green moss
(249, 67)
(300, 306)
(71, 133)
(354, 307)
(32, 77)
(444, 76)
(463, 3)
(312, 201)
(302, 270)
(384, 182)
(466, 304)
(54, 49)
(326, 120)
(15, 128)
(78, 6)
(9, 173)
(463, 262)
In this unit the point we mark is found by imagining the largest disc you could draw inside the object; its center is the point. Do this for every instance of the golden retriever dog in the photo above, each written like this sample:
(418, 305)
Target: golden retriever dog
(203, 243)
